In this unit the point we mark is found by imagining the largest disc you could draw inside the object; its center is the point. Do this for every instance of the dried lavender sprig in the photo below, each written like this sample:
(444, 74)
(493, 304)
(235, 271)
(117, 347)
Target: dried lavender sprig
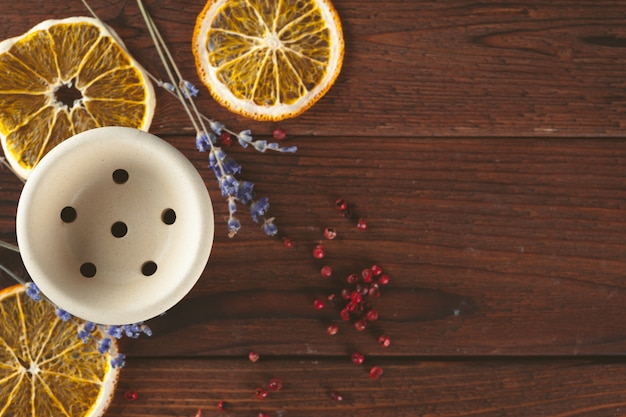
(224, 168)
(205, 139)
(9, 246)
(12, 275)
(88, 331)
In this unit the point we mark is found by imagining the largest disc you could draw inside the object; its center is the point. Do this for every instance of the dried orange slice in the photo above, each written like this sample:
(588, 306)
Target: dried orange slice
(45, 369)
(61, 78)
(268, 59)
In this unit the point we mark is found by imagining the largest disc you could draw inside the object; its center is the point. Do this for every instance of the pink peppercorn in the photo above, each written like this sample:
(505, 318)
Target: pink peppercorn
(335, 396)
(130, 395)
(358, 358)
(360, 325)
(376, 372)
(318, 252)
(326, 271)
(288, 242)
(371, 315)
(279, 134)
(384, 340)
(260, 393)
(275, 384)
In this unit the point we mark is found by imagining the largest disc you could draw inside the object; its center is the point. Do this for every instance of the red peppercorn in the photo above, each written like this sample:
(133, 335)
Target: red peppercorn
(376, 372)
(341, 204)
(335, 396)
(362, 289)
(372, 315)
(330, 233)
(130, 395)
(253, 356)
(352, 279)
(345, 314)
(318, 252)
(358, 358)
(383, 280)
(275, 384)
(356, 297)
(367, 275)
(318, 304)
(326, 271)
(374, 291)
(226, 139)
(361, 224)
(221, 405)
(288, 242)
(384, 340)
(332, 329)
(345, 293)
(360, 325)
(260, 393)
(377, 270)
(279, 134)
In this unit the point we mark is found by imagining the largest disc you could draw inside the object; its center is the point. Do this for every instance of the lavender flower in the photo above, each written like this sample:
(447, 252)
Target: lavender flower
(245, 194)
(203, 142)
(269, 227)
(88, 331)
(233, 226)
(63, 315)
(169, 87)
(244, 138)
(84, 335)
(115, 331)
(104, 345)
(189, 90)
(229, 185)
(225, 169)
(216, 126)
(118, 361)
(146, 330)
(33, 291)
(259, 208)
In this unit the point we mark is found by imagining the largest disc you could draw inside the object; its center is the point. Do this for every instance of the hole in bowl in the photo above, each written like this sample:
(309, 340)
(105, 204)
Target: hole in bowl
(88, 270)
(120, 176)
(119, 229)
(148, 268)
(68, 214)
(168, 216)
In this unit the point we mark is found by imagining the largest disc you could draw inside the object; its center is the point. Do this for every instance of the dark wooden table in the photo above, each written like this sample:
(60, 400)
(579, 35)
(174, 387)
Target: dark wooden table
(484, 144)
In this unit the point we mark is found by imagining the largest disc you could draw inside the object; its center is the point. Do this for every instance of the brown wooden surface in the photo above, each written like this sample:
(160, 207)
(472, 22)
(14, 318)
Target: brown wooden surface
(484, 143)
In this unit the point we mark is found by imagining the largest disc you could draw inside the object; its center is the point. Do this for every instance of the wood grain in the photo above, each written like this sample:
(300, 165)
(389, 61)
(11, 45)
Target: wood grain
(422, 68)
(483, 142)
(411, 387)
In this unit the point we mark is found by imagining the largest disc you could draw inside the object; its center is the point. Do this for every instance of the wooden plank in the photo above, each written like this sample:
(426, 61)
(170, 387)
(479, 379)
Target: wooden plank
(482, 388)
(494, 247)
(421, 68)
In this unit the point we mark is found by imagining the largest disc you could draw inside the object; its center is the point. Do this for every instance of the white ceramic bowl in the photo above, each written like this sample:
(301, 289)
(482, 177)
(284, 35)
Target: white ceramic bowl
(115, 225)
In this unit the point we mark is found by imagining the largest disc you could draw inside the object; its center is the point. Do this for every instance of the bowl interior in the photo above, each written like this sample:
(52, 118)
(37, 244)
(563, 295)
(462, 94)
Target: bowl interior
(115, 225)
